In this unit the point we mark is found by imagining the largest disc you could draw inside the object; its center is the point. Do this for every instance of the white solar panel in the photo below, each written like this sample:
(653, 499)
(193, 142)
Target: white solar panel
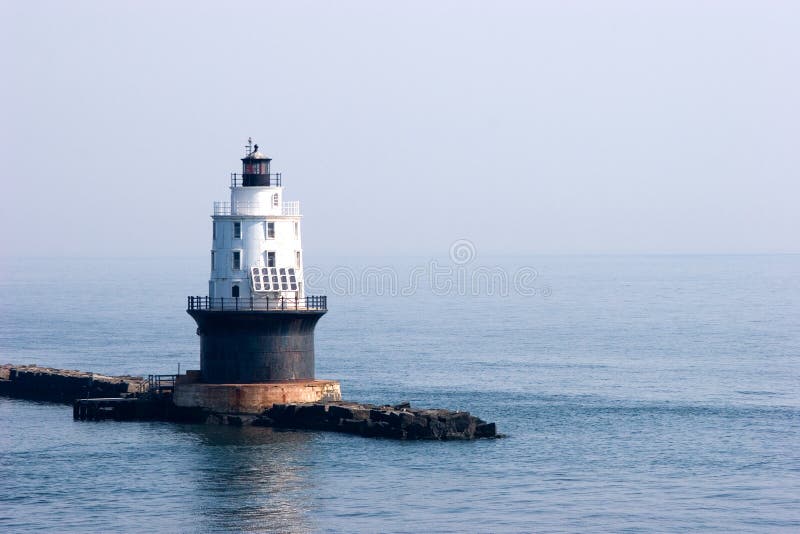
(273, 279)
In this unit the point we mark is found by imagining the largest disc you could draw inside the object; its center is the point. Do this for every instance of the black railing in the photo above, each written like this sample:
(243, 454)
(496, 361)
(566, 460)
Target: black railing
(273, 179)
(161, 384)
(257, 303)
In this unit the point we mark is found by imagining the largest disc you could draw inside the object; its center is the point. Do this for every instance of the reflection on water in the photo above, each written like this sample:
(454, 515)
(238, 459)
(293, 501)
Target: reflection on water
(251, 479)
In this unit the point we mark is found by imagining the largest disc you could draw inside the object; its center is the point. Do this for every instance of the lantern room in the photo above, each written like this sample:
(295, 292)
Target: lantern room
(255, 169)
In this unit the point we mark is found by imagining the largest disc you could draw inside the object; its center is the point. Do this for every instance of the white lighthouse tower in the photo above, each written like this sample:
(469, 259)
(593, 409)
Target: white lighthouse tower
(256, 325)
(256, 242)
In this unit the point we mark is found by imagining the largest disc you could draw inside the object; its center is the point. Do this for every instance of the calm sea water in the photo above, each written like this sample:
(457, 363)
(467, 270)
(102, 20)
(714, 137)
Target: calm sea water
(639, 393)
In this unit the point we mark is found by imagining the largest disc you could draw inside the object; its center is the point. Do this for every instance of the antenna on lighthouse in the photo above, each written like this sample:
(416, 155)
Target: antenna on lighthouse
(249, 147)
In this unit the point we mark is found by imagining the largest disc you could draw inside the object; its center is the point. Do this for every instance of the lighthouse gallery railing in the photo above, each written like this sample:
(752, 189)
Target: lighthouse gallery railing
(274, 179)
(291, 207)
(257, 303)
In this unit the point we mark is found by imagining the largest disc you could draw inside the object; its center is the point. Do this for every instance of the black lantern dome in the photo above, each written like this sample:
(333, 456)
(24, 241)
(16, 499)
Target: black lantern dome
(255, 170)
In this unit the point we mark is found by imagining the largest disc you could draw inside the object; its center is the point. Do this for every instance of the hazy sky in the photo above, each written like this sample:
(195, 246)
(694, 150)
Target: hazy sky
(526, 127)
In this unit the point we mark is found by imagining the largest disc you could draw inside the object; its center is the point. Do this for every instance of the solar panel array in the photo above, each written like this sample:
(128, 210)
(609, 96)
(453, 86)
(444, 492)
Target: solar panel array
(274, 279)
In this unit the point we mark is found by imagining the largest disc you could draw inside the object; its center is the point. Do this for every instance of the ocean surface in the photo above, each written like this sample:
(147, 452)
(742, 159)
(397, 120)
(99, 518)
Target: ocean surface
(638, 393)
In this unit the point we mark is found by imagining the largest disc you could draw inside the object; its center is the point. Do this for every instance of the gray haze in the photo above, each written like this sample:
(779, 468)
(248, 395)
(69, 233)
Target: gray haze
(525, 127)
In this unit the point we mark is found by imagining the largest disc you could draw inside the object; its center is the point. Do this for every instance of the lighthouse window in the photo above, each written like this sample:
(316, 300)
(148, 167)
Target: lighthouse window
(297, 258)
(275, 199)
(237, 260)
(237, 230)
(213, 263)
(235, 292)
(213, 230)
(270, 229)
(296, 229)
(270, 259)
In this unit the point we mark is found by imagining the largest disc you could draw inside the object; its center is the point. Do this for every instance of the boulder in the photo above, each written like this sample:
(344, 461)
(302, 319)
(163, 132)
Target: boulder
(353, 426)
(406, 419)
(378, 421)
(263, 420)
(314, 413)
(486, 430)
(380, 429)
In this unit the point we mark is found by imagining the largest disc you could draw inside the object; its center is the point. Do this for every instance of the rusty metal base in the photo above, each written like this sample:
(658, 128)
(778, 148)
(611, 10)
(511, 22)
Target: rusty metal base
(253, 398)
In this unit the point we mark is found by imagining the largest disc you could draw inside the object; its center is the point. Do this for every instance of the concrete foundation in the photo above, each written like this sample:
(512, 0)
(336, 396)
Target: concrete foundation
(252, 398)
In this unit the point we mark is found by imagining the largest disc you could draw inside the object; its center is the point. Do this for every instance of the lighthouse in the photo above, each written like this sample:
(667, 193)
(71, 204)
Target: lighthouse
(256, 325)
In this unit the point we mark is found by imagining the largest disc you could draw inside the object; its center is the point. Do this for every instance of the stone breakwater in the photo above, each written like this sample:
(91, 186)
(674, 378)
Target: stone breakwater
(127, 398)
(400, 421)
(62, 385)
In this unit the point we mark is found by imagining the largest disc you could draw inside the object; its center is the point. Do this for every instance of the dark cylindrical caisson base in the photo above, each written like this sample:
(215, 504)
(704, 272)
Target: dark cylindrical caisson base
(256, 346)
